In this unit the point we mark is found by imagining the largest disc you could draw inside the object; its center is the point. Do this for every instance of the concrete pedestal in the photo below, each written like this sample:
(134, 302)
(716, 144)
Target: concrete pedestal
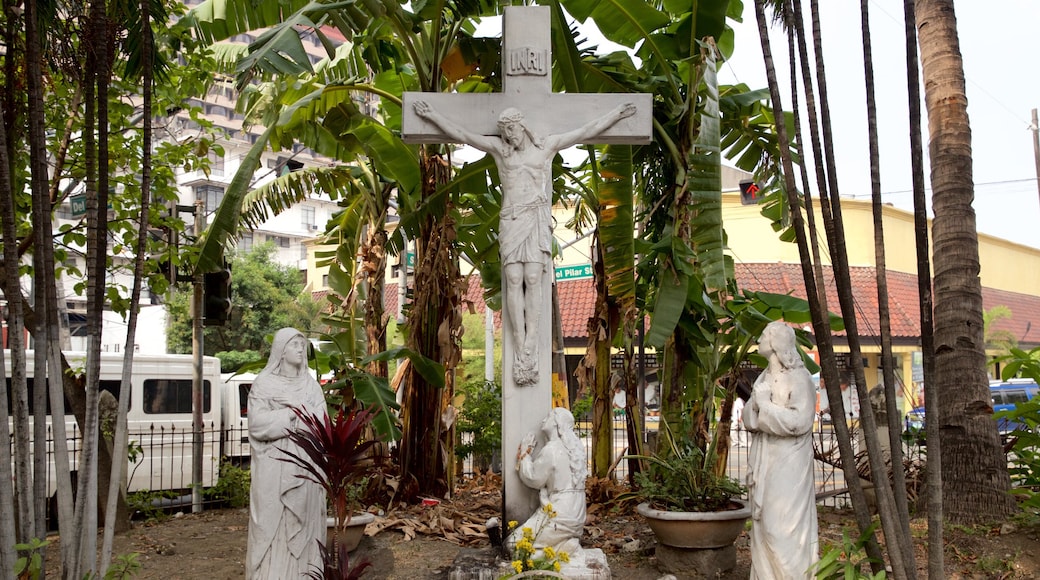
(690, 563)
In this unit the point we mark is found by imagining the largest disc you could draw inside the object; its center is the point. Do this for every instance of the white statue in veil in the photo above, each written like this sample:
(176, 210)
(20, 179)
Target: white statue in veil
(286, 512)
(781, 486)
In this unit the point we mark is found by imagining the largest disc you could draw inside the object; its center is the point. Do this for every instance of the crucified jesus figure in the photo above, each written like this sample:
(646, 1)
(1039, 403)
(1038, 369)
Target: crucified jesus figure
(525, 229)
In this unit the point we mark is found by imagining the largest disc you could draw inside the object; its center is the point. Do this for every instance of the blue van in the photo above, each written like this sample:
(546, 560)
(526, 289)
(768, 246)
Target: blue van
(1005, 395)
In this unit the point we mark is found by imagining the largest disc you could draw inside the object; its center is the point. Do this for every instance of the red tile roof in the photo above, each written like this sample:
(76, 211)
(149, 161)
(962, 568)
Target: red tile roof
(577, 299)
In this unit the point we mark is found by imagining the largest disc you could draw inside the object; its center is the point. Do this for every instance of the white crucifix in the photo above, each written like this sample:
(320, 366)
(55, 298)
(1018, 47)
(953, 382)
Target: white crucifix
(523, 128)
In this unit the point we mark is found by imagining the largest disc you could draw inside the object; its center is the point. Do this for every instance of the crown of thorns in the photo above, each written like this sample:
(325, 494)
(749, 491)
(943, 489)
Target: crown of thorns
(509, 116)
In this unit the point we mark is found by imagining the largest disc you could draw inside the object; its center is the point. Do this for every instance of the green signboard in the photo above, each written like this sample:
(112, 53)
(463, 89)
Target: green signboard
(574, 272)
(78, 205)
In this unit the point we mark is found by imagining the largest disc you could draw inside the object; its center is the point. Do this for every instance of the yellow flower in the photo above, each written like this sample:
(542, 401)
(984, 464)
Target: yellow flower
(556, 566)
(548, 508)
(518, 566)
(530, 564)
(550, 553)
(525, 545)
(528, 533)
(564, 557)
(513, 524)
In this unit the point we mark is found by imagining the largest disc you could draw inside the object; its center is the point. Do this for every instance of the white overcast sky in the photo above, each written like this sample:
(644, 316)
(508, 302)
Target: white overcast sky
(999, 46)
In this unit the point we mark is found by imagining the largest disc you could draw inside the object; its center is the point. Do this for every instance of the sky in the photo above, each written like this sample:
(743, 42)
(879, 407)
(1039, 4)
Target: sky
(997, 45)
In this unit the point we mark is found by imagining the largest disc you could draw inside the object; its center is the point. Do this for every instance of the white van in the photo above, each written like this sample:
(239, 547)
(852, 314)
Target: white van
(234, 400)
(159, 419)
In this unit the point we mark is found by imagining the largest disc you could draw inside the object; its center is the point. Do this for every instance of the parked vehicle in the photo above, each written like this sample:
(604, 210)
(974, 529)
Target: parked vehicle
(235, 406)
(159, 419)
(1005, 395)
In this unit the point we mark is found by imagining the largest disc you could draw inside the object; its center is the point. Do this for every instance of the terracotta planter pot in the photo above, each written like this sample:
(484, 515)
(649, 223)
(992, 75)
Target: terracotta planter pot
(352, 533)
(700, 530)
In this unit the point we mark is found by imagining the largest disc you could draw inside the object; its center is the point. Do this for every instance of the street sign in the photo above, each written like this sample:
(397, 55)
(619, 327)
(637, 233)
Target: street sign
(574, 272)
(78, 205)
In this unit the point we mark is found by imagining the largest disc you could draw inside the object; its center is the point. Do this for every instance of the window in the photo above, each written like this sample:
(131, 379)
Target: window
(243, 398)
(172, 396)
(210, 195)
(325, 281)
(63, 211)
(106, 385)
(303, 252)
(245, 243)
(280, 241)
(1015, 397)
(307, 218)
(216, 163)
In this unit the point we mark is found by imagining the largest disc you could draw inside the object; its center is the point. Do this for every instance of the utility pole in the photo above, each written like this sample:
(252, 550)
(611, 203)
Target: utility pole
(196, 383)
(1036, 148)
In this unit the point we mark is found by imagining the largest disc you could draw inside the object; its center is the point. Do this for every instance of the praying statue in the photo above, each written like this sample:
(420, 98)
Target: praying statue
(558, 471)
(524, 163)
(781, 486)
(286, 511)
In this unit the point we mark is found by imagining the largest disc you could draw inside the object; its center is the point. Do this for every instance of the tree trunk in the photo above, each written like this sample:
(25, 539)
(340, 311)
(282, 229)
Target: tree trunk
(114, 485)
(974, 469)
(434, 329)
(15, 334)
(893, 418)
(42, 279)
(936, 564)
(821, 328)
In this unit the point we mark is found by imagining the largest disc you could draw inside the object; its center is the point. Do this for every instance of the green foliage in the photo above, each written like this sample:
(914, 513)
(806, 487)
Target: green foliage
(847, 561)
(581, 407)
(232, 360)
(144, 503)
(1024, 459)
(374, 393)
(232, 485)
(30, 565)
(125, 566)
(681, 482)
(266, 297)
(481, 420)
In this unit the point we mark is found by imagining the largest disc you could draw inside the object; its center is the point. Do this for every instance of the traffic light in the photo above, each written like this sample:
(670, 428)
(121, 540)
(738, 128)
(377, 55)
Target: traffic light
(216, 301)
(749, 193)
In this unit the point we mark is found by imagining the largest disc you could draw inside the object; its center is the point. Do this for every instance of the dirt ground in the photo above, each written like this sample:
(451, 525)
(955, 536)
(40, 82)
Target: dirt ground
(420, 543)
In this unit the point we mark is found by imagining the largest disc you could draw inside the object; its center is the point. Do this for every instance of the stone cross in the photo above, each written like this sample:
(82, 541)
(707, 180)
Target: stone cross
(523, 127)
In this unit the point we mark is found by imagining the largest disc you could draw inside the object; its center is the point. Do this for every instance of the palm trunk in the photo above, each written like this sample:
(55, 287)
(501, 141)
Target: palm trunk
(821, 327)
(836, 237)
(900, 509)
(974, 470)
(936, 564)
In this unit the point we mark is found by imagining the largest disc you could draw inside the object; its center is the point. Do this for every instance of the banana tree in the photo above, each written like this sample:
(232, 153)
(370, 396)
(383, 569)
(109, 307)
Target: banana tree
(686, 279)
(400, 50)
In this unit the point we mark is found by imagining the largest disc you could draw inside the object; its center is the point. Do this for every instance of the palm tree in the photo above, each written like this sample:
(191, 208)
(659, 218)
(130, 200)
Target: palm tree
(974, 473)
(924, 291)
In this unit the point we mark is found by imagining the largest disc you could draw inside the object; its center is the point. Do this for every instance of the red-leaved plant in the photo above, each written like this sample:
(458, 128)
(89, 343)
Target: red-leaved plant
(334, 457)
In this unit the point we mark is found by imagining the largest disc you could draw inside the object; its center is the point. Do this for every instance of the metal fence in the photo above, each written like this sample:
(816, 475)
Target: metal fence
(159, 462)
(160, 466)
(831, 489)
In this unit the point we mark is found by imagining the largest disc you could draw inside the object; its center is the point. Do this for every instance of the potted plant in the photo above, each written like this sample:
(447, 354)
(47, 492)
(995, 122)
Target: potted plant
(335, 456)
(686, 502)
